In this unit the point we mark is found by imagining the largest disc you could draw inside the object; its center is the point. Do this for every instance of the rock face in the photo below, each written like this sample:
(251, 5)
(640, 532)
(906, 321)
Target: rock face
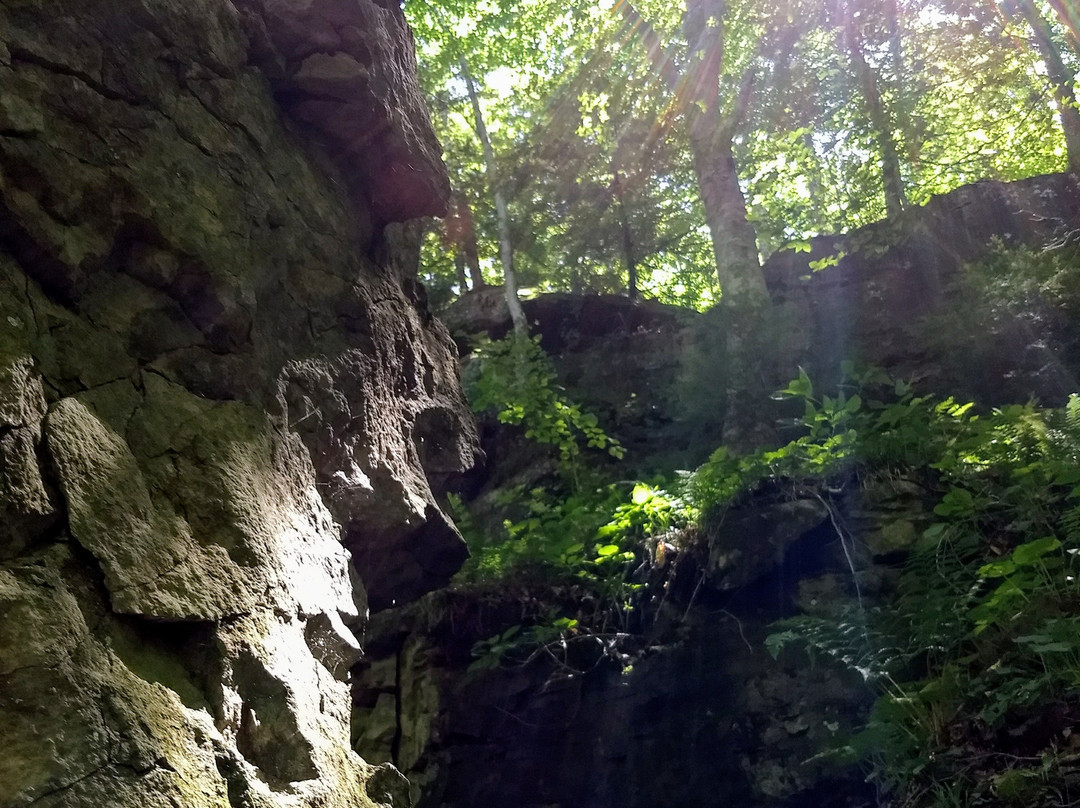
(624, 360)
(893, 294)
(218, 381)
(704, 715)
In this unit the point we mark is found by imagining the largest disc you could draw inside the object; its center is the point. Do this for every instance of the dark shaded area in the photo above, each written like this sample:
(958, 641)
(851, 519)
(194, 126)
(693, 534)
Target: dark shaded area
(433, 551)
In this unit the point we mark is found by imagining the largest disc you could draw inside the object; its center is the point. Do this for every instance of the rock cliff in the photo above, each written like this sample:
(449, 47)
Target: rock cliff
(701, 714)
(219, 381)
(898, 295)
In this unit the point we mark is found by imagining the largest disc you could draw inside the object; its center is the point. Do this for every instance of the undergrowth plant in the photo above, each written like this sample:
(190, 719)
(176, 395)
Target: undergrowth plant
(590, 541)
(982, 627)
(578, 530)
(516, 379)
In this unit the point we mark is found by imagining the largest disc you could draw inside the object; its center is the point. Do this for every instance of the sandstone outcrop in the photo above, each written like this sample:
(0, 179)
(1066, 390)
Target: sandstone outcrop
(218, 381)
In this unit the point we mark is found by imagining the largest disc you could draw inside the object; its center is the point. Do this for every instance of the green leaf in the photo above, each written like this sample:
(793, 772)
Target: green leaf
(1030, 552)
(775, 643)
(958, 501)
(997, 569)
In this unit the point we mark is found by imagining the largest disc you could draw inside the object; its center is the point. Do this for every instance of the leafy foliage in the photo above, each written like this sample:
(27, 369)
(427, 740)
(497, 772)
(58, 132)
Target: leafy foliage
(550, 533)
(577, 530)
(599, 174)
(515, 378)
(983, 624)
(981, 631)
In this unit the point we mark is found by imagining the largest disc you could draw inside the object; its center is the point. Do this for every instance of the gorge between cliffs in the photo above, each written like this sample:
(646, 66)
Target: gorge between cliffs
(240, 479)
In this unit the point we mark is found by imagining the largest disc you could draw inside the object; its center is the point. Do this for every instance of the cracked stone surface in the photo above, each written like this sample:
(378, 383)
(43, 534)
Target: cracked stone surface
(225, 410)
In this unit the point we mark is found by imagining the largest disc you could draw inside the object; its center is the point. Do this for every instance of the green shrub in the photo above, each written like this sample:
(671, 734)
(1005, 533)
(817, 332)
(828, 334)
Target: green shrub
(984, 621)
(515, 378)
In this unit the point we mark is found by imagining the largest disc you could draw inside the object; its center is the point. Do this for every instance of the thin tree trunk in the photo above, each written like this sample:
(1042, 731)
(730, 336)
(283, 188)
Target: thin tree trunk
(814, 179)
(697, 95)
(899, 82)
(1062, 80)
(459, 266)
(880, 120)
(627, 237)
(461, 230)
(471, 253)
(502, 215)
(896, 46)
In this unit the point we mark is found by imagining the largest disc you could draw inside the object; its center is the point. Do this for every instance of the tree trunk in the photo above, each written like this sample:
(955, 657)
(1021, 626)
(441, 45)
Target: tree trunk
(459, 232)
(880, 120)
(697, 94)
(896, 47)
(627, 236)
(733, 238)
(1069, 15)
(469, 248)
(459, 266)
(472, 260)
(502, 214)
(1062, 80)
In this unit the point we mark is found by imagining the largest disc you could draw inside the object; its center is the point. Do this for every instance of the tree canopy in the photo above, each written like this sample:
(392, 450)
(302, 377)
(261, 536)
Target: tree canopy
(666, 149)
